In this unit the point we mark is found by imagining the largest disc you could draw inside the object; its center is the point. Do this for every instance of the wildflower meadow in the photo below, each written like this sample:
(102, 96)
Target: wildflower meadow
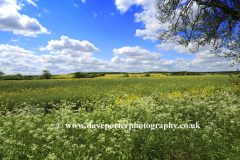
(34, 115)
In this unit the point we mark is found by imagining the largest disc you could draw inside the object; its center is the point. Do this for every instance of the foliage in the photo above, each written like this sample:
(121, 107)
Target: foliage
(233, 52)
(207, 24)
(126, 75)
(16, 77)
(79, 75)
(147, 75)
(184, 73)
(1, 74)
(39, 77)
(89, 76)
(46, 75)
(25, 77)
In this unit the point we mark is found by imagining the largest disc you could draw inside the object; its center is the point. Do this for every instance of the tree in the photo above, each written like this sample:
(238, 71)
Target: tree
(213, 22)
(46, 74)
(18, 76)
(79, 75)
(147, 75)
(126, 75)
(1, 74)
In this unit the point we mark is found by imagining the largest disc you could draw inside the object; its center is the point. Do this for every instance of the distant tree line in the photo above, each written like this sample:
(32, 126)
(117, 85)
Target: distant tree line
(15, 77)
(145, 75)
(184, 73)
(47, 75)
(87, 75)
(104, 72)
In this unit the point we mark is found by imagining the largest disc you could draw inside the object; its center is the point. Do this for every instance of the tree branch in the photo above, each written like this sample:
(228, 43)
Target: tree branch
(230, 11)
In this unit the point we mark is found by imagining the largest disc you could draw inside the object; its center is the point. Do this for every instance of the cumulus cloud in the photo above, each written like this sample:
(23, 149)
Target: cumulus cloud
(14, 59)
(137, 53)
(136, 59)
(147, 16)
(204, 58)
(69, 46)
(124, 5)
(15, 52)
(12, 20)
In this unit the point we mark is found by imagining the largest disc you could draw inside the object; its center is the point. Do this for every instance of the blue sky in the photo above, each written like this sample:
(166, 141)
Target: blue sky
(65, 36)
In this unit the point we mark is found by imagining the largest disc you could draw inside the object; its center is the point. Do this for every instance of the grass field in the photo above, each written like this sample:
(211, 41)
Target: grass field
(31, 110)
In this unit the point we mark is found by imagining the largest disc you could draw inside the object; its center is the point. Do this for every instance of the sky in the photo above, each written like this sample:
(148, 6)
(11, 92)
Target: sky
(65, 36)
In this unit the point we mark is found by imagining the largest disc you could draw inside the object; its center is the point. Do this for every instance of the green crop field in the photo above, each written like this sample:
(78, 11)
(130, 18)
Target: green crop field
(32, 109)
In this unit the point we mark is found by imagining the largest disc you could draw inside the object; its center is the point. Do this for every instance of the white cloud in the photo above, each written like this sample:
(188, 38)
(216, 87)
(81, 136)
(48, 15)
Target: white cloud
(83, 1)
(204, 58)
(136, 59)
(15, 54)
(146, 16)
(14, 59)
(31, 2)
(11, 20)
(75, 5)
(182, 49)
(46, 10)
(94, 14)
(137, 54)
(14, 51)
(39, 15)
(123, 5)
(69, 46)
(112, 14)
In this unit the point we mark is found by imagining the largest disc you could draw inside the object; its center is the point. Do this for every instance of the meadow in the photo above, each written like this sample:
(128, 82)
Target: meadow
(31, 110)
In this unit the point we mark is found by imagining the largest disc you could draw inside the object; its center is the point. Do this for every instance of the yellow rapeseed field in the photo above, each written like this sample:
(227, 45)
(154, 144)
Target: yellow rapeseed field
(54, 90)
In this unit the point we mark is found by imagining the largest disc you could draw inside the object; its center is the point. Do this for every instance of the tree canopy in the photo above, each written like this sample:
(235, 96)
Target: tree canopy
(1, 73)
(214, 22)
(46, 74)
